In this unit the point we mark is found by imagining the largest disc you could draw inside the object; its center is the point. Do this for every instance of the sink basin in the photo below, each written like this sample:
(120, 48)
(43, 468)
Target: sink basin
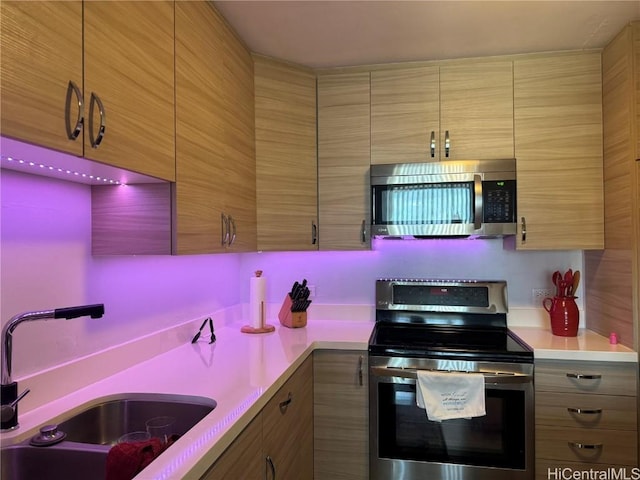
(105, 422)
(65, 461)
(90, 433)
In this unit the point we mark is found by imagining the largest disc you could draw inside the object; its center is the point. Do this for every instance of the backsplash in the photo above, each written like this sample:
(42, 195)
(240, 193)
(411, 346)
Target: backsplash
(46, 263)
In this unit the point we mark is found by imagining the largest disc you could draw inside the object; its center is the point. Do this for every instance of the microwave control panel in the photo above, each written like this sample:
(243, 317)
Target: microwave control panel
(499, 201)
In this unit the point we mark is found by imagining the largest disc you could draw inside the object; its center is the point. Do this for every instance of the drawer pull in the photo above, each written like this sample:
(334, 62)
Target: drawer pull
(284, 404)
(580, 376)
(585, 411)
(586, 446)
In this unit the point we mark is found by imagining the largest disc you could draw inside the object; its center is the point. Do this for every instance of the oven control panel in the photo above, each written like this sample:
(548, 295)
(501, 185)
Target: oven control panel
(472, 296)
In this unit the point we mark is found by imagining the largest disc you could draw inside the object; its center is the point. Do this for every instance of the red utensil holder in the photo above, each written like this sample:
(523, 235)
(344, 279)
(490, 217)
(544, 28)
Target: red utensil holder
(564, 315)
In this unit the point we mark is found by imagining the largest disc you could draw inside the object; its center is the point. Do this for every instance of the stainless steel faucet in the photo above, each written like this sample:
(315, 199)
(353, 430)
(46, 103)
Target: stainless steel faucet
(9, 389)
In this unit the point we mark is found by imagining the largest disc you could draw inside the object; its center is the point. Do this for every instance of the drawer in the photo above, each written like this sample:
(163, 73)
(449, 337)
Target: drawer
(615, 447)
(587, 411)
(550, 469)
(603, 378)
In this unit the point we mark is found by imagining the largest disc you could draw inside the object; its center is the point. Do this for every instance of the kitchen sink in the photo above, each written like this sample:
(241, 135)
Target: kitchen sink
(64, 461)
(105, 422)
(91, 433)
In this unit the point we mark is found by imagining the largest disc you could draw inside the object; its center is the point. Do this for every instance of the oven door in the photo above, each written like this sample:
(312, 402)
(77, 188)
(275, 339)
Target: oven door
(405, 445)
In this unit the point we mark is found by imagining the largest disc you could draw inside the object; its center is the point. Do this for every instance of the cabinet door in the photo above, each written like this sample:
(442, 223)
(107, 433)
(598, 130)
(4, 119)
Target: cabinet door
(558, 140)
(344, 161)
(243, 458)
(405, 115)
(200, 176)
(39, 59)
(286, 160)
(128, 65)
(287, 426)
(341, 415)
(239, 138)
(476, 111)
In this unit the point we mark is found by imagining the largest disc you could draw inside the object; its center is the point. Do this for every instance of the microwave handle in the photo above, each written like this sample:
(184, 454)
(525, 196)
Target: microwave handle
(477, 214)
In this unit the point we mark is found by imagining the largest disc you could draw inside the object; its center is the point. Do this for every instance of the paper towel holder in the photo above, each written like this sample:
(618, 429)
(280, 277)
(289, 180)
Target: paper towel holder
(266, 328)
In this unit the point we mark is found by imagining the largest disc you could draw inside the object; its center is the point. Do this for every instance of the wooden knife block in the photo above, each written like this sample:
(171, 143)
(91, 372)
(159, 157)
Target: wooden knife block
(291, 319)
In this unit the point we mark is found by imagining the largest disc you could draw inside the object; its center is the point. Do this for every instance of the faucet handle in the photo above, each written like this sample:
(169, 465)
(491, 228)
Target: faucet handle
(8, 411)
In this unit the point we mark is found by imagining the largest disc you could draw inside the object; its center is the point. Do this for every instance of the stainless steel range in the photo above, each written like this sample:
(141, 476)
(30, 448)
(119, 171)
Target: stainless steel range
(456, 327)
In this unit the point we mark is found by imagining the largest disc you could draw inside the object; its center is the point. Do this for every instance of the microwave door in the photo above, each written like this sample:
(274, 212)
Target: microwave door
(450, 208)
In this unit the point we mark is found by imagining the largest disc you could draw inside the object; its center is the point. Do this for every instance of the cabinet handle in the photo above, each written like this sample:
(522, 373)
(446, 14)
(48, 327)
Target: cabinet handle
(232, 238)
(225, 229)
(447, 144)
(285, 403)
(580, 376)
(360, 372)
(364, 231)
(314, 233)
(271, 465)
(73, 133)
(523, 223)
(585, 411)
(586, 446)
(95, 141)
(432, 144)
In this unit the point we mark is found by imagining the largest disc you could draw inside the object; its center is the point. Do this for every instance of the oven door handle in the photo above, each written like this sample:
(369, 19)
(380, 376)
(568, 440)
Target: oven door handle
(489, 377)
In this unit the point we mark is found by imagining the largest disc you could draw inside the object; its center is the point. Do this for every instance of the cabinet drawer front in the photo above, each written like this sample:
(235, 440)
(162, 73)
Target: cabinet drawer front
(586, 411)
(548, 469)
(615, 447)
(605, 378)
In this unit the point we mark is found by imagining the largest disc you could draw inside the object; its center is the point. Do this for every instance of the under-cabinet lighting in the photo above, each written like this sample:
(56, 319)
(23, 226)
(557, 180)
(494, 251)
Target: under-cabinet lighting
(67, 171)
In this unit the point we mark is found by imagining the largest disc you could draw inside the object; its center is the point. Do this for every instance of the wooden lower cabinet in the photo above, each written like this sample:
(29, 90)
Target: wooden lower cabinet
(243, 458)
(586, 417)
(341, 415)
(278, 443)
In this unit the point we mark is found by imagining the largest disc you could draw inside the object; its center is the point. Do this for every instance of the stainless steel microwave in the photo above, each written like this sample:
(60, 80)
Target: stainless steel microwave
(461, 198)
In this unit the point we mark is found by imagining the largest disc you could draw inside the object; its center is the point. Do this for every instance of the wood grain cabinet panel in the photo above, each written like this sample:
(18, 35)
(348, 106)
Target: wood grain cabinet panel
(286, 156)
(343, 161)
(287, 423)
(200, 175)
(405, 115)
(341, 415)
(278, 443)
(558, 147)
(39, 59)
(476, 109)
(585, 414)
(243, 458)
(447, 112)
(128, 65)
(215, 160)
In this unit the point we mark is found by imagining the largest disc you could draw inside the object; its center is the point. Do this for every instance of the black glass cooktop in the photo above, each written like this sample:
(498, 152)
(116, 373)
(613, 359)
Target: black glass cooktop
(475, 343)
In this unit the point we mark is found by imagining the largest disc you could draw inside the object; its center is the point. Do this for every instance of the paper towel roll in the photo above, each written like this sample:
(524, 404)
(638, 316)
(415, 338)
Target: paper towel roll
(257, 299)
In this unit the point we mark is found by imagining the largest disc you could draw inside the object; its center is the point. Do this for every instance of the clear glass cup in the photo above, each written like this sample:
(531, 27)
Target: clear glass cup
(131, 437)
(161, 427)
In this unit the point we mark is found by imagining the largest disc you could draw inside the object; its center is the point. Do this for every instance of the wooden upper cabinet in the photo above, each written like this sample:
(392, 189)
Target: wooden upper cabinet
(128, 67)
(239, 143)
(476, 111)
(405, 115)
(200, 148)
(286, 159)
(343, 161)
(558, 141)
(448, 112)
(39, 59)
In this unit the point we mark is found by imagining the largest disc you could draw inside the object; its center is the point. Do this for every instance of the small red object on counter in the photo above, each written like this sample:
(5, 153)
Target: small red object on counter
(613, 338)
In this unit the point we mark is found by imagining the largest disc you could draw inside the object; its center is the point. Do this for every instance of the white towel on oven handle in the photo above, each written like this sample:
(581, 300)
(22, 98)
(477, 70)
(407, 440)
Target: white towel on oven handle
(448, 395)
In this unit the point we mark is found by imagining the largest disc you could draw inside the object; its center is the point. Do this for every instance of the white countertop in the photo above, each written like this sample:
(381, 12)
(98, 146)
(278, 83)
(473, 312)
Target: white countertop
(242, 372)
(587, 345)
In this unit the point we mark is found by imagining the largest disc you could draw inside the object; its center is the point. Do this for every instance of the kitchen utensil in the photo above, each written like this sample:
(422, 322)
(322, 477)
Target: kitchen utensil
(568, 281)
(557, 278)
(576, 281)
